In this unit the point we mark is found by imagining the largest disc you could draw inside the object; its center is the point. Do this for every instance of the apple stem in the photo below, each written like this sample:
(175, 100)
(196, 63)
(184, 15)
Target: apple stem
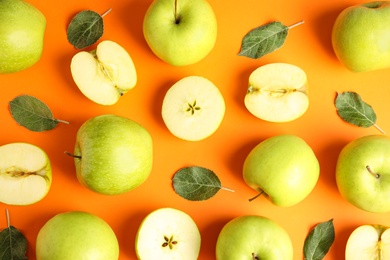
(8, 218)
(62, 121)
(227, 189)
(72, 155)
(258, 195)
(380, 129)
(296, 24)
(106, 12)
(177, 19)
(376, 175)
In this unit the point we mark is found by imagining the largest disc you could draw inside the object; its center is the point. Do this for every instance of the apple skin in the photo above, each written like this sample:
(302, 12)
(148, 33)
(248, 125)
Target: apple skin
(22, 30)
(361, 36)
(355, 183)
(247, 237)
(76, 235)
(284, 168)
(113, 154)
(182, 40)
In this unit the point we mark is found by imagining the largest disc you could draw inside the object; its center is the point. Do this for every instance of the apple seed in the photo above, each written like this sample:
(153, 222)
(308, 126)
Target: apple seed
(192, 107)
(169, 242)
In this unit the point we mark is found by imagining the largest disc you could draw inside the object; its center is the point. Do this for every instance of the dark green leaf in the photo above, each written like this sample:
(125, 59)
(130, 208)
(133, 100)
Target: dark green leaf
(13, 244)
(319, 241)
(32, 113)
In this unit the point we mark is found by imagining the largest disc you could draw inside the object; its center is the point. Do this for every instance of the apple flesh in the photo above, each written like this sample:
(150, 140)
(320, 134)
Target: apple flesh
(105, 74)
(253, 237)
(25, 174)
(368, 242)
(193, 108)
(277, 92)
(168, 233)
(76, 235)
(22, 31)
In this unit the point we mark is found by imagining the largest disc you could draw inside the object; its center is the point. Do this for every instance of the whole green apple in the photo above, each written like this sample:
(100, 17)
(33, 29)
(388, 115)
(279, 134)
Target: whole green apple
(76, 235)
(363, 173)
(284, 168)
(22, 29)
(361, 36)
(112, 154)
(253, 237)
(180, 32)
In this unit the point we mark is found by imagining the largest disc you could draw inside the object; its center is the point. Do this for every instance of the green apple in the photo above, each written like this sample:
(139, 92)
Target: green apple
(180, 32)
(363, 173)
(361, 36)
(112, 154)
(193, 108)
(277, 92)
(22, 31)
(76, 235)
(284, 168)
(368, 242)
(168, 233)
(105, 74)
(253, 237)
(25, 174)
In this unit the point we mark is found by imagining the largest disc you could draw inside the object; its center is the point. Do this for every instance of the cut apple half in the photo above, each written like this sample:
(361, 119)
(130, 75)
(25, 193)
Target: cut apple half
(25, 174)
(193, 108)
(166, 234)
(105, 74)
(368, 242)
(277, 92)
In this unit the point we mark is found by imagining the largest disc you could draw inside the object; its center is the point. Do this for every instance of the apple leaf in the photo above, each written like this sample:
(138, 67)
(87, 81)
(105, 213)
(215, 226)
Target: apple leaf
(85, 28)
(319, 241)
(352, 109)
(32, 113)
(196, 183)
(13, 244)
(264, 39)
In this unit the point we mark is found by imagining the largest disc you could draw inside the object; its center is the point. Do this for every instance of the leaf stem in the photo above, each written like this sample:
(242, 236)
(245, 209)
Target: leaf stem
(62, 121)
(296, 24)
(380, 129)
(106, 12)
(8, 218)
(227, 189)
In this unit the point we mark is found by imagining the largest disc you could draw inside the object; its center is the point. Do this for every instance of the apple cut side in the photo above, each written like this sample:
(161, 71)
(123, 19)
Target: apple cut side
(168, 233)
(368, 242)
(105, 74)
(193, 108)
(25, 174)
(277, 92)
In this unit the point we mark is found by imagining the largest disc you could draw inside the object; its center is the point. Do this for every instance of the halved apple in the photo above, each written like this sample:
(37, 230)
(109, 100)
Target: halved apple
(105, 74)
(369, 242)
(25, 174)
(193, 108)
(277, 92)
(168, 233)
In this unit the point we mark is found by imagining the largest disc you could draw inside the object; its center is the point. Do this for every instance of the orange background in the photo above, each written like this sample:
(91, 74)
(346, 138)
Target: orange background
(307, 46)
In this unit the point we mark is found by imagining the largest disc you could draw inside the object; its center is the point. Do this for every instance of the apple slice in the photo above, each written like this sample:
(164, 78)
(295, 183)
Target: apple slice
(168, 233)
(25, 174)
(105, 74)
(193, 108)
(368, 242)
(277, 92)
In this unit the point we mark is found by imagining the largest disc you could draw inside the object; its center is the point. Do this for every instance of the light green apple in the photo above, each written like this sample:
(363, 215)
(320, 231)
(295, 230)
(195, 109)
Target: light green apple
(284, 168)
(253, 237)
(112, 154)
(363, 173)
(361, 36)
(76, 235)
(25, 174)
(180, 32)
(22, 30)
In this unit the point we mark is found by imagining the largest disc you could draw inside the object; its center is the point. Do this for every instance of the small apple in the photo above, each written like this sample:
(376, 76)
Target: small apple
(112, 154)
(104, 74)
(284, 168)
(361, 36)
(168, 233)
(76, 235)
(25, 174)
(277, 92)
(368, 242)
(22, 31)
(253, 237)
(193, 108)
(180, 32)
(363, 173)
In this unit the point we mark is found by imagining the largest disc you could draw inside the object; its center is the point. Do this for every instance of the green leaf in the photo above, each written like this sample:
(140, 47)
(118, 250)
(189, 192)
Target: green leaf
(319, 241)
(196, 183)
(13, 244)
(352, 109)
(32, 113)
